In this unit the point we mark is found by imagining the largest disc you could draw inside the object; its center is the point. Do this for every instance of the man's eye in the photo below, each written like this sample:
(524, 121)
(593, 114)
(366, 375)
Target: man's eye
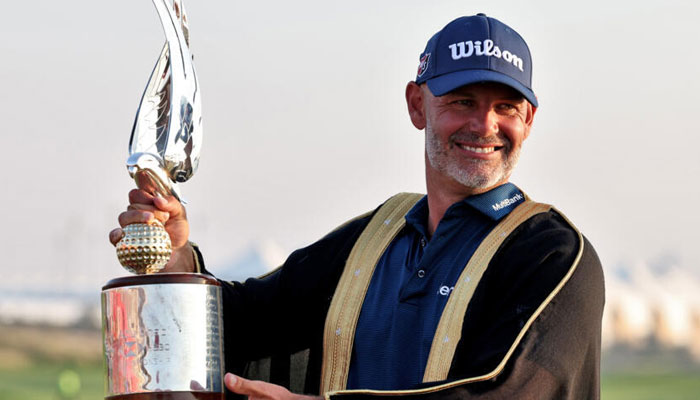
(507, 107)
(465, 102)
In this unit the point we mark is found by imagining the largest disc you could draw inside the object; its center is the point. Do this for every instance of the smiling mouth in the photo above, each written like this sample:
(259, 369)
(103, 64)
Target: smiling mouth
(482, 150)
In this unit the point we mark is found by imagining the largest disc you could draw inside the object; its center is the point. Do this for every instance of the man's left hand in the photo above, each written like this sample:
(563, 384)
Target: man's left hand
(259, 390)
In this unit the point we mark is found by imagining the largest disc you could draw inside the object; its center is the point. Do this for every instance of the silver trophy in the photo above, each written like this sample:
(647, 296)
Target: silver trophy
(162, 332)
(166, 138)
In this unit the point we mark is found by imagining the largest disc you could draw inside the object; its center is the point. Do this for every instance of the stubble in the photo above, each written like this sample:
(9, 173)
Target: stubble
(471, 173)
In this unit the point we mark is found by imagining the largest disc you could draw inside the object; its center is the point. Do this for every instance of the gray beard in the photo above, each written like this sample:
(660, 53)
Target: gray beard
(477, 177)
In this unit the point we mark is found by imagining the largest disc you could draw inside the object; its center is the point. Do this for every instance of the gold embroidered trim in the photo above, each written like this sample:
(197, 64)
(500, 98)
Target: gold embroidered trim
(341, 321)
(449, 329)
(509, 353)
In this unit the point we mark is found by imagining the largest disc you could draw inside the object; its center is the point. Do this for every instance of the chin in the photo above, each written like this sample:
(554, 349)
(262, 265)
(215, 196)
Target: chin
(477, 179)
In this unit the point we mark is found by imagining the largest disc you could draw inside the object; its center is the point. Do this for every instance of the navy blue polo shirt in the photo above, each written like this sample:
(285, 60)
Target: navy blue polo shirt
(411, 284)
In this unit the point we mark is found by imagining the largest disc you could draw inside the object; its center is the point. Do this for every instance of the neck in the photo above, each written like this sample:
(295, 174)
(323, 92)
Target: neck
(443, 192)
(437, 206)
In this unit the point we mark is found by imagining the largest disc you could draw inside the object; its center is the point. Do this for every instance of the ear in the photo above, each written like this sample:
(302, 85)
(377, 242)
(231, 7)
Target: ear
(529, 118)
(414, 101)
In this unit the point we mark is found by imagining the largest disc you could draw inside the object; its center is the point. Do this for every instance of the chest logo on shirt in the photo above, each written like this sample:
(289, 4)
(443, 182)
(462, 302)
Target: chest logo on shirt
(507, 202)
(445, 290)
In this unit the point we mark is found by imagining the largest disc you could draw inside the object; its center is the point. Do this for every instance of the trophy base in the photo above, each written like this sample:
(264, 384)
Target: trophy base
(162, 337)
(169, 396)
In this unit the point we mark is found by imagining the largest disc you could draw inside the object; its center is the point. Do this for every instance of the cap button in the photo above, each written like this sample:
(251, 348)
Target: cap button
(480, 15)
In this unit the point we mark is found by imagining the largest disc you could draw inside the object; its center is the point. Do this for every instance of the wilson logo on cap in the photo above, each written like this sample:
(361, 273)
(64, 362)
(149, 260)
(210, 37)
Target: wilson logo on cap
(469, 48)
(476, 49)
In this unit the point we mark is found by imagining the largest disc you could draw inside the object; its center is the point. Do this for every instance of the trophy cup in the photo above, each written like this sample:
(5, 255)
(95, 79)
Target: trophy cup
(162, 333)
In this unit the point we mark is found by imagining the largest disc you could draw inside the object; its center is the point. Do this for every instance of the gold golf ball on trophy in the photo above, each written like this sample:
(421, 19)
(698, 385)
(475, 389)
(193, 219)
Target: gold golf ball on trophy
(144, 248)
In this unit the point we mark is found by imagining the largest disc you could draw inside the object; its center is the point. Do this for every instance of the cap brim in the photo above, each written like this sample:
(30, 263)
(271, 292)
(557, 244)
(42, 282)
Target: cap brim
(444, 84)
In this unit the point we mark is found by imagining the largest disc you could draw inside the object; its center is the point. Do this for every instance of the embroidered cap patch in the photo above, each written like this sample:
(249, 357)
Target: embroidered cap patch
(423, 66)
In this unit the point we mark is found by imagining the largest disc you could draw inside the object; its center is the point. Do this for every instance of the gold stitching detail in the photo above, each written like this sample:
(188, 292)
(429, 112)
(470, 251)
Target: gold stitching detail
(341, 321)
(450, 326)
(501, 365)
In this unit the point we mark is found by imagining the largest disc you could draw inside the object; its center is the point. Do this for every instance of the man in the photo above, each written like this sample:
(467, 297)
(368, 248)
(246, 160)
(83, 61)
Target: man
(472, 291)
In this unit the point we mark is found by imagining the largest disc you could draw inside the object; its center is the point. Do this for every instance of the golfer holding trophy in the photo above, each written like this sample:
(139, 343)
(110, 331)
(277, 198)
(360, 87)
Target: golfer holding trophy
(162, 332)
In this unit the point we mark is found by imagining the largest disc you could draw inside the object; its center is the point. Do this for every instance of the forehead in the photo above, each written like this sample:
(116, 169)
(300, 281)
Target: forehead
(490, 89)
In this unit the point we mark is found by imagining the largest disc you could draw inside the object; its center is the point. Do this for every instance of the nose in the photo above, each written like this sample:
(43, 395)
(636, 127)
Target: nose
(484, 121)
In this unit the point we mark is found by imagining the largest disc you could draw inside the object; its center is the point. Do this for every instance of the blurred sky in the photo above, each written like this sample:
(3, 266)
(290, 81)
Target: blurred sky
(305, 122)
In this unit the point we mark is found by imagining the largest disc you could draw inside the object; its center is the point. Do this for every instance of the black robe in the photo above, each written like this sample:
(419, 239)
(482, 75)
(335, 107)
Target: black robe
(274, 325)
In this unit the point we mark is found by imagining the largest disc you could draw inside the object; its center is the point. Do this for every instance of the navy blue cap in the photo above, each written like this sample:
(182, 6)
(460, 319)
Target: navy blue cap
(476, 49)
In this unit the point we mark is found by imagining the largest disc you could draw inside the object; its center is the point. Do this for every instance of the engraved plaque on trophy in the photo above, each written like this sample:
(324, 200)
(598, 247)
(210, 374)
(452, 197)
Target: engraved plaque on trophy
(162, 332)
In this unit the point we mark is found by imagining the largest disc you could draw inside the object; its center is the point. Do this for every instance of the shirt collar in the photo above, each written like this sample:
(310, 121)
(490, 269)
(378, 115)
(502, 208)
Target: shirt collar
(495, 204)
(418, 217)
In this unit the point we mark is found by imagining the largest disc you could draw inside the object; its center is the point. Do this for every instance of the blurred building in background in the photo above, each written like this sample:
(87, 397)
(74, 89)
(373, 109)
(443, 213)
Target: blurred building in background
(654, 303)
(647, 303)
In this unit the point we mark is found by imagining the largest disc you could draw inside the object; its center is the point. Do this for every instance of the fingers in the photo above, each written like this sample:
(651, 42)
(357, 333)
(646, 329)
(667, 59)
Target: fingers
(135, 217)
(115, 235)
(162, 216)
(181, 259)
(239, 385)
(259, 390)
(140, 196)
(194, 385)
(146, 208)
(252, 389)
(169, 204)
(163, 208)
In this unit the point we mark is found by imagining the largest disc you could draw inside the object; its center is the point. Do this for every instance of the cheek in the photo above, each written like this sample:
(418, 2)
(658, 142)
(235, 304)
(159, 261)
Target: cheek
(447, 124)
(514, 131)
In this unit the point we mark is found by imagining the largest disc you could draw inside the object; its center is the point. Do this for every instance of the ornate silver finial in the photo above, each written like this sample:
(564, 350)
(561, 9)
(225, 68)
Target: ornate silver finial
(167, 135)
(168, 125)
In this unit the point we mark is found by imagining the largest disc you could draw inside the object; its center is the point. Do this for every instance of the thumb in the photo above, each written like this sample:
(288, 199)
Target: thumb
(169, 204)
(262, 390)
(254, 389)
(236, 384)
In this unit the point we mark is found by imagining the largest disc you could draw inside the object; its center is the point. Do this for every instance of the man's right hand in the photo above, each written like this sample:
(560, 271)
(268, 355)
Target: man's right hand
(144, 208)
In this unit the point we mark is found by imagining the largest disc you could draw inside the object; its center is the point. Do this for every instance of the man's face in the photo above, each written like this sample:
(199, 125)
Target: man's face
(474, 134)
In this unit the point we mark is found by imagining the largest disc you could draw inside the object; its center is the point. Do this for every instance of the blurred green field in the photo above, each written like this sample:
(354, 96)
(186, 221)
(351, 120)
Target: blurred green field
(45, 363)
(59, 364)
(41, 382)
(52, 382)
(644, 386)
